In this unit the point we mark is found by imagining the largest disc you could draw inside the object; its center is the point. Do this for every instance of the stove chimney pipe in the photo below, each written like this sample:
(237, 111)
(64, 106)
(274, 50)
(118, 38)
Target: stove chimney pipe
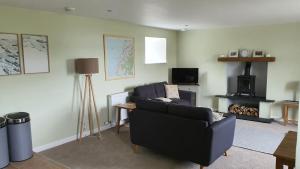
(247, 69)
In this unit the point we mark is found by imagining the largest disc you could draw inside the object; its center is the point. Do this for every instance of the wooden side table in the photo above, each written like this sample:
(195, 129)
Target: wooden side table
(286, 152)
(285, 109)
(127, 106)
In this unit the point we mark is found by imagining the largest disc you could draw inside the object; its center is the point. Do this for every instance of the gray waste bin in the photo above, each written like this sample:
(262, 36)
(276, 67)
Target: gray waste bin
(4, 157)
(19, 136)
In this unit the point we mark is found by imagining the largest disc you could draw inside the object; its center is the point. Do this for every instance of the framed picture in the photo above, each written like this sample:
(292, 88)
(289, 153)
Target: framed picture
(35, 53)
(119, 57)
(233, 53)
(9, 54)
(258, 53)
(245, 53)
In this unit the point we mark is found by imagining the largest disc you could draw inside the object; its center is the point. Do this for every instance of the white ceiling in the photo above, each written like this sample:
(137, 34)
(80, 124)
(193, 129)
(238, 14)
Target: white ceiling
(175, 14)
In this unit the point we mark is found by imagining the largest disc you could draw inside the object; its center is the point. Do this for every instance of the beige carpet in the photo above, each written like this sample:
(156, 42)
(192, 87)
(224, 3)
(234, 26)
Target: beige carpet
(114, 152)
(38, 161)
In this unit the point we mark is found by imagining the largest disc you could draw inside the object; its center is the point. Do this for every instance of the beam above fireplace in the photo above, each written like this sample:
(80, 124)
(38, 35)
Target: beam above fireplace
(246, 59)
(246, 98)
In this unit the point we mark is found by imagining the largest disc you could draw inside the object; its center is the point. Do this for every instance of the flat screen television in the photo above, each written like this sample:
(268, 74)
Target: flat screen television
(185, 76)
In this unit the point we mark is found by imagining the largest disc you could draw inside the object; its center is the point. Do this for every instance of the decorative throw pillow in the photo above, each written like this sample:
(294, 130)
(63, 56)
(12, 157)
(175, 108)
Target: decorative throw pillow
(217, 116)
(164, 99)
(172, 91)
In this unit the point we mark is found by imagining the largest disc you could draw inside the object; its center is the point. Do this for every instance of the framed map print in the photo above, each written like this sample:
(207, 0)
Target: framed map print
(119, 57)
(35, 53)
(9, 54)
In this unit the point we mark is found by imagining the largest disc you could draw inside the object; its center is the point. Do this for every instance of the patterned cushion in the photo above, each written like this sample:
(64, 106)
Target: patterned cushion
(216, 116)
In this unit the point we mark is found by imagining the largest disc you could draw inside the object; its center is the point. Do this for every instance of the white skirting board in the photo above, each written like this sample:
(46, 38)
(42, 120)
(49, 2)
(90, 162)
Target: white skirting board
(113, 99)
(67, 140)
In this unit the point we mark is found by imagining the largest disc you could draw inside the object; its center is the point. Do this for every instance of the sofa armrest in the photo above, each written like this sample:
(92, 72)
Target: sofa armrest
(222, 135)
(188, 96)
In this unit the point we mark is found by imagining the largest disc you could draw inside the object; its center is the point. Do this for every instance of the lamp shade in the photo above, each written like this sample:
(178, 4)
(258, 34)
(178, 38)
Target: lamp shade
(87, 66)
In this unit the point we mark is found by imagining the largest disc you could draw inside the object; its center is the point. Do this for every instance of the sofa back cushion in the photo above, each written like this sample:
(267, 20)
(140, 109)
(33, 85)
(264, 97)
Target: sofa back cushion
(152, 105)
(160, 89)
(147, 91)
(199, 113)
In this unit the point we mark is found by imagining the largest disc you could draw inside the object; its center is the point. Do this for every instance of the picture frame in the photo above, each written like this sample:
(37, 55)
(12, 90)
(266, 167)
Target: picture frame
(233, 53)
(245, 53)
(36, 57)
(258, 53)
(10, 60)
(119, 57)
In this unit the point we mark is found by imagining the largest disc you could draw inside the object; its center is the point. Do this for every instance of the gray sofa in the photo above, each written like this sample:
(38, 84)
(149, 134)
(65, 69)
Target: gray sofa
(183, 132)
(156, 90)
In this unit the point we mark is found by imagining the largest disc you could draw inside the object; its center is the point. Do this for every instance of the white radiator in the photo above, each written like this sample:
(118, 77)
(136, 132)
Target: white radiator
(113, 100)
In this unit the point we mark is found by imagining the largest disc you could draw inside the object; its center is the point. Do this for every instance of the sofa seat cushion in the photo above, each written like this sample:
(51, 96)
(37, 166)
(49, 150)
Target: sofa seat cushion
(152, 105)
(147, 91)
(167, 100)
(199, 113)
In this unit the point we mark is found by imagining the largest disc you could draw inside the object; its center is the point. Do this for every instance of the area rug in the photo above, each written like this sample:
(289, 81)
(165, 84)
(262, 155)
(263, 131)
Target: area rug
(254, 136)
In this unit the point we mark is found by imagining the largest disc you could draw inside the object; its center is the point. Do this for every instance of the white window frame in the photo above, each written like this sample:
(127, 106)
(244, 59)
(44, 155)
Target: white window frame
(155, 50)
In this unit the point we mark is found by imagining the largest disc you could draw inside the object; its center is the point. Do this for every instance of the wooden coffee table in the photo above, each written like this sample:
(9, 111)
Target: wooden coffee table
(286, 151)
(127, 106)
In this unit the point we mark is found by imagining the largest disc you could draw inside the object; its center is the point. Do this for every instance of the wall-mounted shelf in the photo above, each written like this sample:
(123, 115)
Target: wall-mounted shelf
(246, 59)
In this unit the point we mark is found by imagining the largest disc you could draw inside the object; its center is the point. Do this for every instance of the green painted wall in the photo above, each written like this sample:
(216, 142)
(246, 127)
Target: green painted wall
(200, 48)
(298, 147)
(51, 98)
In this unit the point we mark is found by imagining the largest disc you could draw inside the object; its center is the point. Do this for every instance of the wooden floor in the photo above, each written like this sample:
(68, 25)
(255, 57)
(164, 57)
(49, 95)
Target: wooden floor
(37, 162)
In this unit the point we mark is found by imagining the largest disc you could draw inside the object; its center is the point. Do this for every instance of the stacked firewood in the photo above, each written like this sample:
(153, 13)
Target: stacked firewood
(243, 110)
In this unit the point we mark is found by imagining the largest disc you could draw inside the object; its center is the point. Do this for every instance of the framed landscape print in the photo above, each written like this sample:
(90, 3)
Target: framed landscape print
(35, 53)
(119, 57)
(9, 54)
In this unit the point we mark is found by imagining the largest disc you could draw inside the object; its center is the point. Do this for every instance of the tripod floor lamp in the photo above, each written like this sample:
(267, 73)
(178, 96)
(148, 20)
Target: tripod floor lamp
(88, 66)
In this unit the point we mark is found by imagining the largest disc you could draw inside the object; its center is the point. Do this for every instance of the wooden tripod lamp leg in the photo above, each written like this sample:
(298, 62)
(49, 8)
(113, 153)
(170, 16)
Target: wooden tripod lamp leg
(91, 119)
(95, 107)
(82, 111)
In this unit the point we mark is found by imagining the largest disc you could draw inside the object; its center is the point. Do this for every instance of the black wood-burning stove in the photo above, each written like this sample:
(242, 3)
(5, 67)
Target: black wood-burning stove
(246, 82)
